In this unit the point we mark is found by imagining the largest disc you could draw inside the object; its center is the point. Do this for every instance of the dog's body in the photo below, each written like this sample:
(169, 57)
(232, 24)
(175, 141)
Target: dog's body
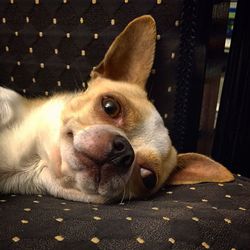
(105, 143)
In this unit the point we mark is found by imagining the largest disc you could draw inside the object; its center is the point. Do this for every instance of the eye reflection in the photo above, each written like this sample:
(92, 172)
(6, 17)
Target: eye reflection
(111, 107)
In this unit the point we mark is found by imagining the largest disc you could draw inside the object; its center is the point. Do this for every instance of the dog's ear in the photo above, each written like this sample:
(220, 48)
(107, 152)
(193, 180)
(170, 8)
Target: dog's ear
(195, 168)
(130, 57)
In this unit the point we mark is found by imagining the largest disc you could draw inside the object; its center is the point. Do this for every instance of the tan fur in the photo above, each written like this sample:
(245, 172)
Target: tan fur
(195, 168)
(133, 50)
(61, 145)
(136, 187)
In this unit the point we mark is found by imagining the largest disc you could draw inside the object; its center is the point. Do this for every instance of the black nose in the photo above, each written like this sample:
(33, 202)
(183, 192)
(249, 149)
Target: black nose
(122, 154)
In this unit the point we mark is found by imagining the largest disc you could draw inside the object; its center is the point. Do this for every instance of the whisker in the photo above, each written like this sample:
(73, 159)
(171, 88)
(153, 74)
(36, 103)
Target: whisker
(124, 189)
(130, 195)
(75, 81)
(123, 196)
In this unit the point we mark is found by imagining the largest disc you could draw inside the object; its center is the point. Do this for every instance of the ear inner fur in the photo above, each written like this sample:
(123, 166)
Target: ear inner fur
(130, 57)
(196, 168)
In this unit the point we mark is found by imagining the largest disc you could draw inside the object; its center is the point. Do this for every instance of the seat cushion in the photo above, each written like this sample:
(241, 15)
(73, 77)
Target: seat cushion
(201, 216)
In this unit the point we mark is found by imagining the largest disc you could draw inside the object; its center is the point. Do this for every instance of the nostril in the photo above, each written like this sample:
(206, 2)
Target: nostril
(122, 154)
(119, 145)
(127, 160)
(124, 161)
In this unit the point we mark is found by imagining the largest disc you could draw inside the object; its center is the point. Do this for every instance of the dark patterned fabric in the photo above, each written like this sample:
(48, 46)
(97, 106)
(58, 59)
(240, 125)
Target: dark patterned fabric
(201, 216)
(49, 46)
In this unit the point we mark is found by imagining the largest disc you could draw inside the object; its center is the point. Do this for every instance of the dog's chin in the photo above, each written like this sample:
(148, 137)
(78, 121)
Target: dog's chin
(102, 181)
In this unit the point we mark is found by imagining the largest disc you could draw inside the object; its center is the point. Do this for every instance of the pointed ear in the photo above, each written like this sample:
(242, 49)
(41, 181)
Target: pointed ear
(130, 57)
(195, 168)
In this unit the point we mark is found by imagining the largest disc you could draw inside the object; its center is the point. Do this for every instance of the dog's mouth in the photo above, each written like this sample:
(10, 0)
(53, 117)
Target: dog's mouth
(100, 160)
(102, 171)
(100, 176)
(148, 177)
(103, 165)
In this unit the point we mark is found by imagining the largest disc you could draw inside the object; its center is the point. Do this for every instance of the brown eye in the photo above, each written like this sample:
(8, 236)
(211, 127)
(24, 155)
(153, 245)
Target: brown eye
(111, 107)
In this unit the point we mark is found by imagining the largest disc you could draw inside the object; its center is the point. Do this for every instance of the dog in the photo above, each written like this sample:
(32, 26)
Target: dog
(101, 145)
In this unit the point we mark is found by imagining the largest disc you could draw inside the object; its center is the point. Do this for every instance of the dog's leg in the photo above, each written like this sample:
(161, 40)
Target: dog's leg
(11, 106)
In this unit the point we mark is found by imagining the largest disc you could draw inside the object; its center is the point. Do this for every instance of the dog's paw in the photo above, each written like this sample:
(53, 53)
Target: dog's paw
(10, 103)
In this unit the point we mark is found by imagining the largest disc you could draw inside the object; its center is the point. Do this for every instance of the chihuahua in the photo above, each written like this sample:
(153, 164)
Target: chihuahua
(103, 144)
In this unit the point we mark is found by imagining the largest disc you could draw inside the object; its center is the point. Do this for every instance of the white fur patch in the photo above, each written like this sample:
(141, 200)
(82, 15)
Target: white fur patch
(10, 106)
(24, 145)
(153, 134)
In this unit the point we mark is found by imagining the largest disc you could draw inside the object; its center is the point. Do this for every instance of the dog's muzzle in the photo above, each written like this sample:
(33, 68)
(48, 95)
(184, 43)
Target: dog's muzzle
(102, 153)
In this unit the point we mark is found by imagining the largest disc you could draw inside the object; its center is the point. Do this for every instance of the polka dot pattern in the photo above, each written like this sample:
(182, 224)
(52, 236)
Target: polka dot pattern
(45, 44)
(176, 218)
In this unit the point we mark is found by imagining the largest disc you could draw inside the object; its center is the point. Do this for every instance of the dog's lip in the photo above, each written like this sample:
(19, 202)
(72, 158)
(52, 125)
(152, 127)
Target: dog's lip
(145, 172)
(97, 167)
(148, 177)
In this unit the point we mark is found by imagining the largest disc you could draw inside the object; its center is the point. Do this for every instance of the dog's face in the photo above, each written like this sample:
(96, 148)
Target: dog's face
(122, 148)
(113, 142)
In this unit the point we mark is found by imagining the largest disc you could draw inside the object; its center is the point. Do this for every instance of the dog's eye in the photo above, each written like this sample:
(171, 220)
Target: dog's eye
(111, 107)
(149, 178)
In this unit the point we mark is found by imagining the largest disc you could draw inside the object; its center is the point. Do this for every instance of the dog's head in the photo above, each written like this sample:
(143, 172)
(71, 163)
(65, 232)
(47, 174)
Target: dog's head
(113, 141)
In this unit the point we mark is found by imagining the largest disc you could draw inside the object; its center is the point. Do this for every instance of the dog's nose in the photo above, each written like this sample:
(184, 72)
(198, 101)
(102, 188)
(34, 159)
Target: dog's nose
(122, 154)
